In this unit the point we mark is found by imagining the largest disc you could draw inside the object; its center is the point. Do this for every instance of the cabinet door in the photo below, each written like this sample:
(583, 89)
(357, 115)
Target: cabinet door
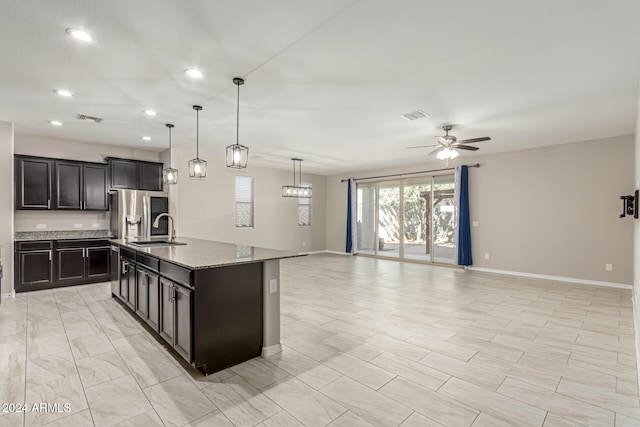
(150, 178)
(71, 266)
(142, 294)
(95, 187)
(131, 287)
(182, 328)
(33, 183)
(166, 310)
(124, 280)
(36, 268)
(153, 291)
(98, 262)
(124, 174)
(68, 186)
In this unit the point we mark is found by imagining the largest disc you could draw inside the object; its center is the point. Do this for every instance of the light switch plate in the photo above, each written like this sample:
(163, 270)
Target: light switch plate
(78, 225)
(41, 226)
(608, 267)
(474, 223)
(273, 286)
(95, 225)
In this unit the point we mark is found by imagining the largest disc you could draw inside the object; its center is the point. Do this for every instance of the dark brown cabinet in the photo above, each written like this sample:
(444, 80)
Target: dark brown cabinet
(135, 175)
(128, 282)
(175, 316)
(147, 297)
(95, 187)
(82, 261)
(150, 176)
(60, 184)
(33, 183)
(124, 173)
(34, 264)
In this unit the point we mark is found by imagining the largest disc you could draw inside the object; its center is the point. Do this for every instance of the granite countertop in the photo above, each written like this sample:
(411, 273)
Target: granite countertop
(201, 254)
(21, 236)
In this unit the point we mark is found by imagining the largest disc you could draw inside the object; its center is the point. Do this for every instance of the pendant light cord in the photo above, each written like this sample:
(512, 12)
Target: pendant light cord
(197, 134)
(238, 117)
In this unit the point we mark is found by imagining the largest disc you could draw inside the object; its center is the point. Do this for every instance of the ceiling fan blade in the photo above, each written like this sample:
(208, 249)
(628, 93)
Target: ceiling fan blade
(422, 146)
(468, 141)
(465, 147)
(442, 140)
(435, 151)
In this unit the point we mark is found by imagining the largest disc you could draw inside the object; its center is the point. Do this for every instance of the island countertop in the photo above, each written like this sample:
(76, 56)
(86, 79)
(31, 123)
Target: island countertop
(197, 254)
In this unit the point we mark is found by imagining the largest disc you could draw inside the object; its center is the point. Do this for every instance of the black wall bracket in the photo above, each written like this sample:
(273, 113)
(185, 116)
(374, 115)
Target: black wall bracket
(630, 205)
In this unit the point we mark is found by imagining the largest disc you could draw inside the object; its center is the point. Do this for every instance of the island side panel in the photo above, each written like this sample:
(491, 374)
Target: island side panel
(271, 303)
(228, 315)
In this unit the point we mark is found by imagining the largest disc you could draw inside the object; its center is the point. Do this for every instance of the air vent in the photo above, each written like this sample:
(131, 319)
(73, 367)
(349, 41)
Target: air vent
(415, 115)
(89, 118)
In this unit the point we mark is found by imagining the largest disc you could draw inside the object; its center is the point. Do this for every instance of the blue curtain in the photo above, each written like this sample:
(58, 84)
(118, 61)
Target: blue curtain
(464, 225)
(350, 212)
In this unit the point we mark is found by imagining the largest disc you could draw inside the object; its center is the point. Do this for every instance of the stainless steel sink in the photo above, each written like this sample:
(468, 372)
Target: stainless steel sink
(152, 243)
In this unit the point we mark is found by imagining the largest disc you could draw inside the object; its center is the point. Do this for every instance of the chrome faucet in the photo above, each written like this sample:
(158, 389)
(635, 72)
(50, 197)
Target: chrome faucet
(156, 224)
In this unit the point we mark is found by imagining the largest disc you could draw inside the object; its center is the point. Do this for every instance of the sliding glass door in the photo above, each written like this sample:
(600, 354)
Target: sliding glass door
(410, 218)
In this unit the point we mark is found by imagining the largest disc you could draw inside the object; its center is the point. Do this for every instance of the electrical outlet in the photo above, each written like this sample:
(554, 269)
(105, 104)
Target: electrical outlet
(95, 225)
(41, 226)
(304, 244)
(486, 256)
(273, 286)
(475, 223)
(608, 267)
(78, 225)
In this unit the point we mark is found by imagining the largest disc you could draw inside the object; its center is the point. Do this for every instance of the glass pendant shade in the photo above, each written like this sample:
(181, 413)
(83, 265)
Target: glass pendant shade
(197, 166)
(297, 190)
(447, 153)
(170, 175)
(237, 155)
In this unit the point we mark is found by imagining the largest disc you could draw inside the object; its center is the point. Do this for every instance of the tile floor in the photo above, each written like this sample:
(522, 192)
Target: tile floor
(366, 342)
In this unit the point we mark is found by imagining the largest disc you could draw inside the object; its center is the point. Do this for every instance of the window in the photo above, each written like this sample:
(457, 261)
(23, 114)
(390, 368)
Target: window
(304, 208)
(244, 202)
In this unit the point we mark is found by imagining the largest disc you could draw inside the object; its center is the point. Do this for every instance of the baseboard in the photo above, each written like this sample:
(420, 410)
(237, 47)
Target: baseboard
(636, 330)
(327, 252)
(556, 278)
(271, 350)
(11, 294)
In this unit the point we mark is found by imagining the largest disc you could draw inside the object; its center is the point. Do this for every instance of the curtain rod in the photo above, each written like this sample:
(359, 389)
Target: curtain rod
(477, 165)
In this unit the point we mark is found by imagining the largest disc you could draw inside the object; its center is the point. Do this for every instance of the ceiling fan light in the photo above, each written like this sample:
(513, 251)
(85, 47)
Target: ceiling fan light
(453, 154)
(443, 154)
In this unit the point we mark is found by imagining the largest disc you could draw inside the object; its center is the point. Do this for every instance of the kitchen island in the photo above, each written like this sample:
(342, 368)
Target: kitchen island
(216, 304)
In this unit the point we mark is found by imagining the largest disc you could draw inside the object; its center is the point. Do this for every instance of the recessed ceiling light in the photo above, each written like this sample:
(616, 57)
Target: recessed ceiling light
(193, 73)
(64, 92)
(149, 112)
(55, 123)
(79, 34)
(146, 138)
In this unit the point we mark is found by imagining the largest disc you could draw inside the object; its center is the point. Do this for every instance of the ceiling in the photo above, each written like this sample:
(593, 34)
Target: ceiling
(326, 80)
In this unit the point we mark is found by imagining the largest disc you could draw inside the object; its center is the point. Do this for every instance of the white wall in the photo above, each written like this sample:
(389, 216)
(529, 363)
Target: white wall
(35, 145)
(206, 209)
(6, 204)
(550, 211)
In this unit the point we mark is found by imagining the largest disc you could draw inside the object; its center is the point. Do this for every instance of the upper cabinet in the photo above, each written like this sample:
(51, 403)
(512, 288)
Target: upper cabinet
(60, 184)
(135, 174)
(33, 183)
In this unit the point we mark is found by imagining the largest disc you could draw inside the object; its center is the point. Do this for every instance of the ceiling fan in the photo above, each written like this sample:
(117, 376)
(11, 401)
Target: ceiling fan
(448, 144)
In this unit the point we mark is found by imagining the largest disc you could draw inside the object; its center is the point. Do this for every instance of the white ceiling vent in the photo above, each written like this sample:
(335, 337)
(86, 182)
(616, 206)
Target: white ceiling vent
(89, 118)
(415, 115)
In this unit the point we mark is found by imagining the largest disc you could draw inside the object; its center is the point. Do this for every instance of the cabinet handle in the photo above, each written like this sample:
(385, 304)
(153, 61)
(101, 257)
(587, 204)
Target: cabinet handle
(48, 203)
(49, 255)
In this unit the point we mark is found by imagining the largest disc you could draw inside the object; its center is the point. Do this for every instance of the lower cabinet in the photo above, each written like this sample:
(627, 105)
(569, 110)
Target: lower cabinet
(148, 297)
(46, 264)
(34, 265)
(175, 316)
(128, 282)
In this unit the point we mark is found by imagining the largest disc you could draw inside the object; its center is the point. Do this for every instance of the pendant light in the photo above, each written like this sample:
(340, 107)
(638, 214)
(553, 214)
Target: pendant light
(170, 175)
(197, 166)
(296, 190)
(237, 155)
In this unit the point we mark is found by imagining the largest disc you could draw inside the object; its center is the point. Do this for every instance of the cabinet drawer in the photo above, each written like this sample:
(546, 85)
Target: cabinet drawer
(129, 254)
(39, 245)
(149, 262)
(180, 275)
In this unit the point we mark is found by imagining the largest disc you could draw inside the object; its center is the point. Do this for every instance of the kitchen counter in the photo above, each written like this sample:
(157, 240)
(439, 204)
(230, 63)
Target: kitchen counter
(25, 236)
(202, 254)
